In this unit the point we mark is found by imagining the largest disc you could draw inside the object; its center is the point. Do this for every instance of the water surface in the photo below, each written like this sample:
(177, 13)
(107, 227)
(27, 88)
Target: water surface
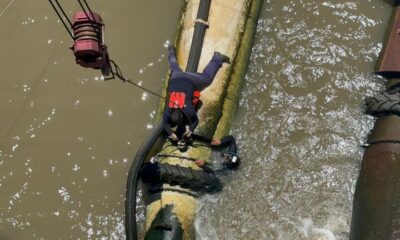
(67, 138)
(300, 123)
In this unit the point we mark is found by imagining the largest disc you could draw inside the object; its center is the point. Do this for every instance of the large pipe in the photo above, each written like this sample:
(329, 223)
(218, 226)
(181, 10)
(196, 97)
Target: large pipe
(376, 206)
(148, 147)
(198, 36)
(388, 64)
(171, 210)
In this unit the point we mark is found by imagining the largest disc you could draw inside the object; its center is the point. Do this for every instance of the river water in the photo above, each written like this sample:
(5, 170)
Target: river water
(67, 138)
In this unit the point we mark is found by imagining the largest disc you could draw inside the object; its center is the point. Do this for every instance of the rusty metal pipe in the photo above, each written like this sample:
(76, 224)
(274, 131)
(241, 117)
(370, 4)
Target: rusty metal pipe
(388, 64)
(376, 208)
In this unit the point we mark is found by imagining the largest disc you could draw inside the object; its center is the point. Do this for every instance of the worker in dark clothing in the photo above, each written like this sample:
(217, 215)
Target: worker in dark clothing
(230, 159)
(179, 110)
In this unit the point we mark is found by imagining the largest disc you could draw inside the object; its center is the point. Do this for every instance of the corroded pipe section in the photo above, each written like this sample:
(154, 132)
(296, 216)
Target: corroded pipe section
(376, 209)
(376, 206)
(389, 61)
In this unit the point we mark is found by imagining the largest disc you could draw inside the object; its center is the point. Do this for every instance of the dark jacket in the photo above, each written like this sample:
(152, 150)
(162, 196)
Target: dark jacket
(190, 118)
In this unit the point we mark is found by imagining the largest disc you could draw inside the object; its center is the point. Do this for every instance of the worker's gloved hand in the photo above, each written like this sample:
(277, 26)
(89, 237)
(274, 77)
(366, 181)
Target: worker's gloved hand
(187, 133)
(173, 137)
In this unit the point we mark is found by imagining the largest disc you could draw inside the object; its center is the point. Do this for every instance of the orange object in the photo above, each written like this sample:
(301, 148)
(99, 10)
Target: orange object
(196, 98)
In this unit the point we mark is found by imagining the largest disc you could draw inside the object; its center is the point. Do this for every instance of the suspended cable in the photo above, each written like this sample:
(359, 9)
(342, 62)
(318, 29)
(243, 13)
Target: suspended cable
(92, 16)
(117, 72)
(175, 156)
(62, 17)
(88, 7)
(6, 8)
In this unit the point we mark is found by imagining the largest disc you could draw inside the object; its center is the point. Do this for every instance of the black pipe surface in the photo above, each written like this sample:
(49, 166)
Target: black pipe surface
(198, 36)
(133, 179)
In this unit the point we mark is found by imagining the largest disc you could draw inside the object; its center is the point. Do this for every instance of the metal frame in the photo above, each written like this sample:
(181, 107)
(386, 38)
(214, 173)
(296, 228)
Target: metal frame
(65, 19)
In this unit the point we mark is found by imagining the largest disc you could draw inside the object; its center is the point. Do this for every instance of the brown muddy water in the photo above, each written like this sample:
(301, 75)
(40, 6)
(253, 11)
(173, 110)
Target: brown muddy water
(67, 138)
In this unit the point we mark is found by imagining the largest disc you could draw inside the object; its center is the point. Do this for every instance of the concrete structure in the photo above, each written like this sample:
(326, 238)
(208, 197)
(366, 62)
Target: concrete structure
(171, 212)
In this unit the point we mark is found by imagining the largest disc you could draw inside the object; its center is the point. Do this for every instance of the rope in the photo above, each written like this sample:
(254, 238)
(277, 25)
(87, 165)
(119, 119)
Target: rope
(117, 72)
(176, 156)
(121, 76)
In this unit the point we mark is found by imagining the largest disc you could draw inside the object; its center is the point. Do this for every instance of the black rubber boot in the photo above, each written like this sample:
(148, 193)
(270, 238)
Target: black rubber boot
(198, 105)
(224, 58)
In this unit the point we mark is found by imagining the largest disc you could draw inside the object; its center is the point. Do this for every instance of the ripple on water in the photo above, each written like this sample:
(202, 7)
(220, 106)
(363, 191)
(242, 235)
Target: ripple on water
(300, 124)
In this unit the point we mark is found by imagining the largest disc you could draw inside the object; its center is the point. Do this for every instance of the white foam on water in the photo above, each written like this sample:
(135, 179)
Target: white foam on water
(307, 228)
(64, 194)
(110, 113)
(203, 227)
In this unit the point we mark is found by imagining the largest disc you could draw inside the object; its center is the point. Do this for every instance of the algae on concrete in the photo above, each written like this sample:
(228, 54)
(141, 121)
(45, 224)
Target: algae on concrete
(238, 74)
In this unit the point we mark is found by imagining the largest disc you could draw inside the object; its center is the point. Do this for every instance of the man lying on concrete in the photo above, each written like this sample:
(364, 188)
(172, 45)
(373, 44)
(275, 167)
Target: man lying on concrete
(179, 110)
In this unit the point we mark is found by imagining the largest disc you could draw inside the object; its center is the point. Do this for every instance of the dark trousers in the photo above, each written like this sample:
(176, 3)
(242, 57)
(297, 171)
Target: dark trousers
(199, 80)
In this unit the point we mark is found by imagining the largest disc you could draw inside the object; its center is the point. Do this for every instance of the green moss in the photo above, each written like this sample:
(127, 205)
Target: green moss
(238, 75)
